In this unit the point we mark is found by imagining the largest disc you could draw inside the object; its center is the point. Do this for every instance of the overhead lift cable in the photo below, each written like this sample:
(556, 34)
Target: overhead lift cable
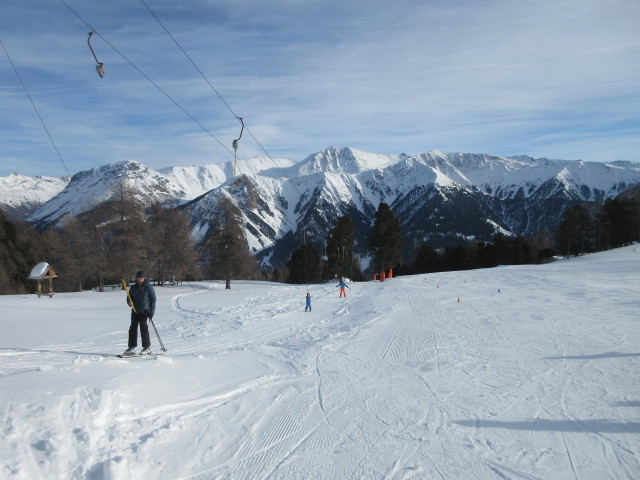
(79, 194)
(190, 60)
(135, 67)
(33, 104)
(244, 127)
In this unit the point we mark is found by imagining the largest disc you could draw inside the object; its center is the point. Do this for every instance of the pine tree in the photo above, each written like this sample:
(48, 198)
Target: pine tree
(304, 265)
(16, 256)
(340, 250)
(574, 232)
(540, 245)
(223, 249)
(79, 258)
(122, 234)
(385, 239)
(618, 222)
(425, 259)
(171, 246)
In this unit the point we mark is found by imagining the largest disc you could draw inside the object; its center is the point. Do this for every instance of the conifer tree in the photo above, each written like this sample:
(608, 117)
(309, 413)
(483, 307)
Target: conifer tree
(385, 239)
(304, 265)
(574, 232)
(223, 249)
(340, 250)
(126, 234)
(618, 222)
(425, 259)
(80, 254)
(171, 246)
(15, 258)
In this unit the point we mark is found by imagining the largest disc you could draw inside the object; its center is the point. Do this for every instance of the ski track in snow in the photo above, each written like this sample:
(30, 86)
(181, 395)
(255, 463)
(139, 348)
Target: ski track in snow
(533, 374)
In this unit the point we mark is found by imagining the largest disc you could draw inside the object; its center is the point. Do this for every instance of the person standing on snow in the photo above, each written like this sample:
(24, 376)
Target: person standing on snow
(308, 305)
(342, 286)
(143, 307)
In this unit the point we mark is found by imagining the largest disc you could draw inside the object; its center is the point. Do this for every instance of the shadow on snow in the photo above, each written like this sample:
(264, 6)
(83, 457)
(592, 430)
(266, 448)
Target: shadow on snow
(545, 425)
(594, 356)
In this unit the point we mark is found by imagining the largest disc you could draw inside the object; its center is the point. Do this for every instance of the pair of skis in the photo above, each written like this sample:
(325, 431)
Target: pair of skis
(134, 355)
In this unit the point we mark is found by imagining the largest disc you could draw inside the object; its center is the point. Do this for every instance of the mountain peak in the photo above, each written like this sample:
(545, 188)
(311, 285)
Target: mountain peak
(344, 160)
(21, 194)
(437, 195)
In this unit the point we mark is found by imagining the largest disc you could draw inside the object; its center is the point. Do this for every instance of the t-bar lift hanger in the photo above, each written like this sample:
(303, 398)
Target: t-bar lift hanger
(100, 68)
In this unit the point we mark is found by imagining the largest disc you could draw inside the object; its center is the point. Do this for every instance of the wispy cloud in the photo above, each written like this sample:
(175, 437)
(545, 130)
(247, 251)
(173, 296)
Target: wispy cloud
(552, 78)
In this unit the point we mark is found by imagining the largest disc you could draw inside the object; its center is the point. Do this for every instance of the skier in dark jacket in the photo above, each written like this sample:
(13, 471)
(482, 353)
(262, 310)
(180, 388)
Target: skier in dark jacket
(144, 306)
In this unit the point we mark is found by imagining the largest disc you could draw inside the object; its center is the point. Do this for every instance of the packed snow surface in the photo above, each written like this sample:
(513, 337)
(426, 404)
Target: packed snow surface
(521, 372)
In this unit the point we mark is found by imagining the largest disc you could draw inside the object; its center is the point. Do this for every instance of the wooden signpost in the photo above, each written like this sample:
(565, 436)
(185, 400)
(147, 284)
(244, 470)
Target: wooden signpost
(43, 271)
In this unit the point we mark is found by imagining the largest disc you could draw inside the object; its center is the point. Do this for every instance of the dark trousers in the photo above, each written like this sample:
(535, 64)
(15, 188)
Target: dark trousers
(139, 319)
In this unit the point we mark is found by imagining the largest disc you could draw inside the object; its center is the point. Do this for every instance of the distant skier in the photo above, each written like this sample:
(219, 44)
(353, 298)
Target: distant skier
(144, 306)
(342, 286)
(308, 305)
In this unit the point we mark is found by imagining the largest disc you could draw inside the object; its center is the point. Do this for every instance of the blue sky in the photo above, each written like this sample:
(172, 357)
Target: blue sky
(547, 78)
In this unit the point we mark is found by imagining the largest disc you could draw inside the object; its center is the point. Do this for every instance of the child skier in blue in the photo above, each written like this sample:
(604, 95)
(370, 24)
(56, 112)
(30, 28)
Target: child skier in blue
(308, 305)
(342, 286)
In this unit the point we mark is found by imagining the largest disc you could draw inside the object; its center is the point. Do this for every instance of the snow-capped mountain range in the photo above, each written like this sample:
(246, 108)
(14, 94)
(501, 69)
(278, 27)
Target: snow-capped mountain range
(437, 196)
(20, 194)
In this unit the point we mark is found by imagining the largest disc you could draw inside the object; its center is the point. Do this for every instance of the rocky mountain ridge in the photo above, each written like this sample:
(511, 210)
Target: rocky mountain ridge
(438, 197)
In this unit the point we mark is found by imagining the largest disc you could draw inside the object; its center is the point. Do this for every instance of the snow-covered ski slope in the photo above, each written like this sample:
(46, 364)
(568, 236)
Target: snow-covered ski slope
(534, 374)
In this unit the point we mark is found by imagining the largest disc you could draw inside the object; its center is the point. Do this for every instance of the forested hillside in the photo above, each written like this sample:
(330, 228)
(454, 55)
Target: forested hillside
(108, 243)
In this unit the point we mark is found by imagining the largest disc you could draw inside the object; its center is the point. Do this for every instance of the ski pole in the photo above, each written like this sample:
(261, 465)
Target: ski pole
(124, 284)
(158, 335)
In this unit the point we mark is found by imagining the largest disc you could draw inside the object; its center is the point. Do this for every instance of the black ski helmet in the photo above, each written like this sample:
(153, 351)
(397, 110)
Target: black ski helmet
(141, 274)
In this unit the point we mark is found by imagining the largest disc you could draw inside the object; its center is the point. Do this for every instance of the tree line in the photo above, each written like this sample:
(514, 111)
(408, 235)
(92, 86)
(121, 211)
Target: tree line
(340, 259)
(583, 229)
(109, 242)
